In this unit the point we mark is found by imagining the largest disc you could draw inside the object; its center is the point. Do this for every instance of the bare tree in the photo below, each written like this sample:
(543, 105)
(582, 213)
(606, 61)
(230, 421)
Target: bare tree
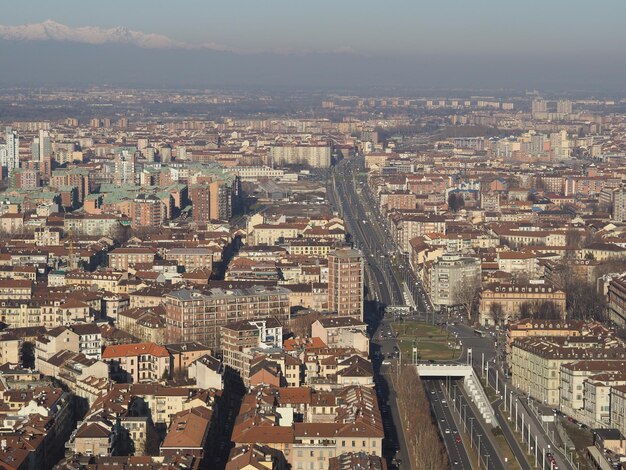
(574, 238)
(540, 310)
(583, 299)
(424, 445)
(497, 313)
(466, 294)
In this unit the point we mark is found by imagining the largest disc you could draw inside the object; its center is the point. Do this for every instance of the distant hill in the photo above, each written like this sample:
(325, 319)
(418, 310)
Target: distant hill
(120, 58)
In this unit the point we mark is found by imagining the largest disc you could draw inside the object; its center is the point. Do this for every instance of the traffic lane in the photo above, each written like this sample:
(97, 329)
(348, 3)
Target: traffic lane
(497, 382)
(397, 441)
(510, 437)
(543, 440)
(447, 427)
(478, 345)
(487, 448)
(357, 230)
(464, 459)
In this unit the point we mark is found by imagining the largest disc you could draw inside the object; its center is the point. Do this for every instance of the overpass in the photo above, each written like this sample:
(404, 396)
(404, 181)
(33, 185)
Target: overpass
(471, 384)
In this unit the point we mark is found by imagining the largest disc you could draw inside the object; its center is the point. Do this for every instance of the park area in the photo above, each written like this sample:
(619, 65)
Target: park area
(433, 342)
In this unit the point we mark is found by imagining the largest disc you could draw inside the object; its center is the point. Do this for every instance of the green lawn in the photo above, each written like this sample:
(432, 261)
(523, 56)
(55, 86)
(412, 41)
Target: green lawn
(432, 341)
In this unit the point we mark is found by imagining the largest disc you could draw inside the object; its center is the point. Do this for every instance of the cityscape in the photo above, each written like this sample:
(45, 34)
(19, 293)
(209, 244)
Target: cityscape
(252, 263)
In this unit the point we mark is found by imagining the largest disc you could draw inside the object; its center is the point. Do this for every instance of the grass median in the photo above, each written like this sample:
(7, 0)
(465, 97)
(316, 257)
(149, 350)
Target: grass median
(433, 342)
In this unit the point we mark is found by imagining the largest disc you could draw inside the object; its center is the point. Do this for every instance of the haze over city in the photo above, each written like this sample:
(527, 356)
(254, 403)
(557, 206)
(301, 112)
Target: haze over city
(411, 45)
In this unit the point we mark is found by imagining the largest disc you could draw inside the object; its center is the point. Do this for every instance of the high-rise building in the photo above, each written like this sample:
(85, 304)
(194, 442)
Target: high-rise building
(10, 154)
(124, 168)
(41, 148)
(619, 204)
(564, 107)
(539, 108)
(148, 211)
(345, 282)
(314, 155)
(211, 201)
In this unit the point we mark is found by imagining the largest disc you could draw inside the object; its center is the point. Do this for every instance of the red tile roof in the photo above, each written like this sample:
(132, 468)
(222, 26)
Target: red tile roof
(128, 350)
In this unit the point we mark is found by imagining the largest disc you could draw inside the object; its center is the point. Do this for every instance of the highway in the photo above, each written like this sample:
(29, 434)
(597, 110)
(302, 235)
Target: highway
(457, 455)
(478, 432)
(384, 282)
(383, 291)
(366, 232)
(388, 271)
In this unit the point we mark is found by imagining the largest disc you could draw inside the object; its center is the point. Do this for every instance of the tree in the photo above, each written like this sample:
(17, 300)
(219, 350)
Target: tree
(423, 441)
(497, 313)
(584, 301)
(466, 294)
(455, 201)
(573, 239)
(539, 310)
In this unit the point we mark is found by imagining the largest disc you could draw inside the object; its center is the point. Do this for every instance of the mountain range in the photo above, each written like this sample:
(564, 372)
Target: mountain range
(52, 54)
(51, 30)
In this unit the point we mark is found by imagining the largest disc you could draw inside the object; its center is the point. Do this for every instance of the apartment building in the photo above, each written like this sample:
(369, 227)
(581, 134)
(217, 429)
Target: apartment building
(530, 328)
(191, 258)
(536, 362)
(240, 337)
(194, 315)
(582, 395)
(148, 211)
(446, 273)
(15, 289)
(314, 155)
(618, 407)
(311, 428)
(405, 227)
(342, 332)
(617, 300)
(137, 362)
(120, 259)
(345, 282)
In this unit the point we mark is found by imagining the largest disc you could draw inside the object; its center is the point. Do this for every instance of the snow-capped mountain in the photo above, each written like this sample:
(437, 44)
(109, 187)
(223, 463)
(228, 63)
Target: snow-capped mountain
(52, 31)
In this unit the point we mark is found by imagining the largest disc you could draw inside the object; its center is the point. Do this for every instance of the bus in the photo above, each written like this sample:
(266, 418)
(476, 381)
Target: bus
(480, 333)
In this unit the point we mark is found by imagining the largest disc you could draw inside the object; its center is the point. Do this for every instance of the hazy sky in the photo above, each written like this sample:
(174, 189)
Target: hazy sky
(399, 27)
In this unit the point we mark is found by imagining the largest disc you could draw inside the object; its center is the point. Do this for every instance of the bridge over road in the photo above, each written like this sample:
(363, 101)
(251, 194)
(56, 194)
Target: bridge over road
(471, 384)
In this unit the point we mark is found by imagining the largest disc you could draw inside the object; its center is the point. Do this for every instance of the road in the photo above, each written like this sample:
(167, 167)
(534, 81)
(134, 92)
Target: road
(388, 271)
(457, 454)
(383, 291)
(476, 429)
(486, 365)
(366, 232)
(385, 278)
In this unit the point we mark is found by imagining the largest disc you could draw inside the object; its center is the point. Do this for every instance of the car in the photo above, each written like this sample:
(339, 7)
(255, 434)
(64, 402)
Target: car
(456, 462)
(443, 401)
(457, 439)
(443, 420)
(386, 362)
(447, 431)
